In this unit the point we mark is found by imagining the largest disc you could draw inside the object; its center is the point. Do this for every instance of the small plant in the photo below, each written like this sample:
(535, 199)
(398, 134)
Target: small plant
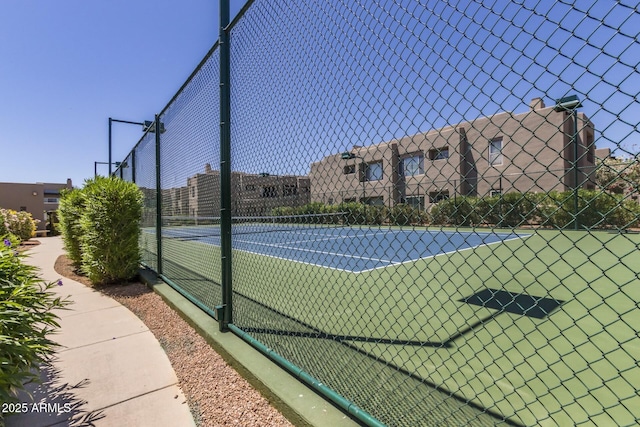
(26, 323)
(20, 224)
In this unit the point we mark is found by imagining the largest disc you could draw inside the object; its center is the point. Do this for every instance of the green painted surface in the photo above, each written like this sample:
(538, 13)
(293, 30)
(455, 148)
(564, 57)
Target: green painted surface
(579, 364)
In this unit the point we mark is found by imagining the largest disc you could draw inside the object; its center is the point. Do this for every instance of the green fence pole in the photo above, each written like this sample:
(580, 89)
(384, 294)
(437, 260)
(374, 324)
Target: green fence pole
(110, 124)
(133, 165)
(225, 167)
(158, 198)
(576, 186)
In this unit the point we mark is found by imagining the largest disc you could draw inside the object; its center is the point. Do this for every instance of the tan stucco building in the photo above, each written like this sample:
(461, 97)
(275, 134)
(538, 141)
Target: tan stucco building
(531, 151)
(37, 198)
(252, 194)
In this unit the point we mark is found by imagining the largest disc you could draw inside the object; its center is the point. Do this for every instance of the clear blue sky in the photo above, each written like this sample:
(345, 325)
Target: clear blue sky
(66, 66)
(362, 72)
(335, 74)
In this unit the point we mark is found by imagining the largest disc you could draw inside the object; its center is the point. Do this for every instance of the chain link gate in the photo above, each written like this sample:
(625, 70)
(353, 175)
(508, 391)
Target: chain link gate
(434, 206)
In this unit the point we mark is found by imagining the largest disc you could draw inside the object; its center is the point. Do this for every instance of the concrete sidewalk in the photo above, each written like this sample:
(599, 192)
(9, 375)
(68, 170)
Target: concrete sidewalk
(110, 370)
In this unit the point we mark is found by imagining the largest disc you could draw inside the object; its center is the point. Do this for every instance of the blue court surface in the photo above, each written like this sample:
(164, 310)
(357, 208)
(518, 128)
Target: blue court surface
(353, 249)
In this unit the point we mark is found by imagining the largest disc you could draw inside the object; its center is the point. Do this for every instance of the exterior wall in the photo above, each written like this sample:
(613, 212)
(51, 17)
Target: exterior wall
(204, 194)
(334, 179)
(258, 195)
(175, 201)
(36, 198)
(537, 155)
(252, 195)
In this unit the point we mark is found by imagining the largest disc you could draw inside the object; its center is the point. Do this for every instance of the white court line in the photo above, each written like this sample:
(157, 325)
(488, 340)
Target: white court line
(298, 261)
(388, 262)
(316, 252)
(328, 238)
(443, 253)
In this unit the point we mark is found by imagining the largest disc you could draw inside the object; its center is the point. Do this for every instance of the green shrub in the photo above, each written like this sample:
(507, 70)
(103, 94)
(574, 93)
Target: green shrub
(283, 211)
(602, 210)
(20, 224)
(487, 210)
(70, 211)
(506, 210)
(549, 211)
(4, 225)
(458, 211)
(627, 214)
(403, 214)
(316, 213)
(110, 227)
(312, 208)
(360, 214)
(596, 209)
(26, 321)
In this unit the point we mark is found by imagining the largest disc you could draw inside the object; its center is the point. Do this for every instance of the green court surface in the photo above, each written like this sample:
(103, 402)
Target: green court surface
(576, 363)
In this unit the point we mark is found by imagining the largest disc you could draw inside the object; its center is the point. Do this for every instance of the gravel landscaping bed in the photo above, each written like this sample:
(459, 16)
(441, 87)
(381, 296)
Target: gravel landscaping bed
(217, 395)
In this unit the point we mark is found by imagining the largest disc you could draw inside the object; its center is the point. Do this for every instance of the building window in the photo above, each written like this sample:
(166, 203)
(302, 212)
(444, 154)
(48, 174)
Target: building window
(373, 171)
(415, 202)
(373, 201)
(495, 152)
(51, 200)
(349, 200)
(349, 169)
(193, 191)
(289, 190)
(439, 153)
(250, 187)
(437, 196)
(270, 191)
(411, 166)
(23, 208)
(494, 193)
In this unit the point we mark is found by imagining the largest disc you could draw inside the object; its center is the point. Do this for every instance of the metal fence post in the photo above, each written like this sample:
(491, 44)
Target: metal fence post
(133, 165)
(110, 125)
(158, 197)
(225, 167)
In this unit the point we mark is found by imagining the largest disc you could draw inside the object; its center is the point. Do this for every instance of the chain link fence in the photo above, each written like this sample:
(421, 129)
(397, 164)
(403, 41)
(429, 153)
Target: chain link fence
(434, 206)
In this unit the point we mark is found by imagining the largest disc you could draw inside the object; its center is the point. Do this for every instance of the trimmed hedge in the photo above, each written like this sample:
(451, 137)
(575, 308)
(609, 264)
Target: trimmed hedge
(459, 211)
(596, 210)
(402, 214)
(100, 225)
(69, 212)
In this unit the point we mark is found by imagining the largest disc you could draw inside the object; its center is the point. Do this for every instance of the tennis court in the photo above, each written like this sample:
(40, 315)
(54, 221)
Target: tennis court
(352, 249)
(509, 321)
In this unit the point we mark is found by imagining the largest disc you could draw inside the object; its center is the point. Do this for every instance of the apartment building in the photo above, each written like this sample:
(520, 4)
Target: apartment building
(37, 198)
(252, 194)
(531, 151)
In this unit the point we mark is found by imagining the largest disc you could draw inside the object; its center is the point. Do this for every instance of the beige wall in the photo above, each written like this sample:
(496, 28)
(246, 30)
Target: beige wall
(34, 198)
(251, 194)
(537, 155)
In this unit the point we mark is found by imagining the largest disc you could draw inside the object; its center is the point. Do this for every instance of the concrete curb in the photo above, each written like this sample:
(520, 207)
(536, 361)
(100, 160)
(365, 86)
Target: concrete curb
(301, 405)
